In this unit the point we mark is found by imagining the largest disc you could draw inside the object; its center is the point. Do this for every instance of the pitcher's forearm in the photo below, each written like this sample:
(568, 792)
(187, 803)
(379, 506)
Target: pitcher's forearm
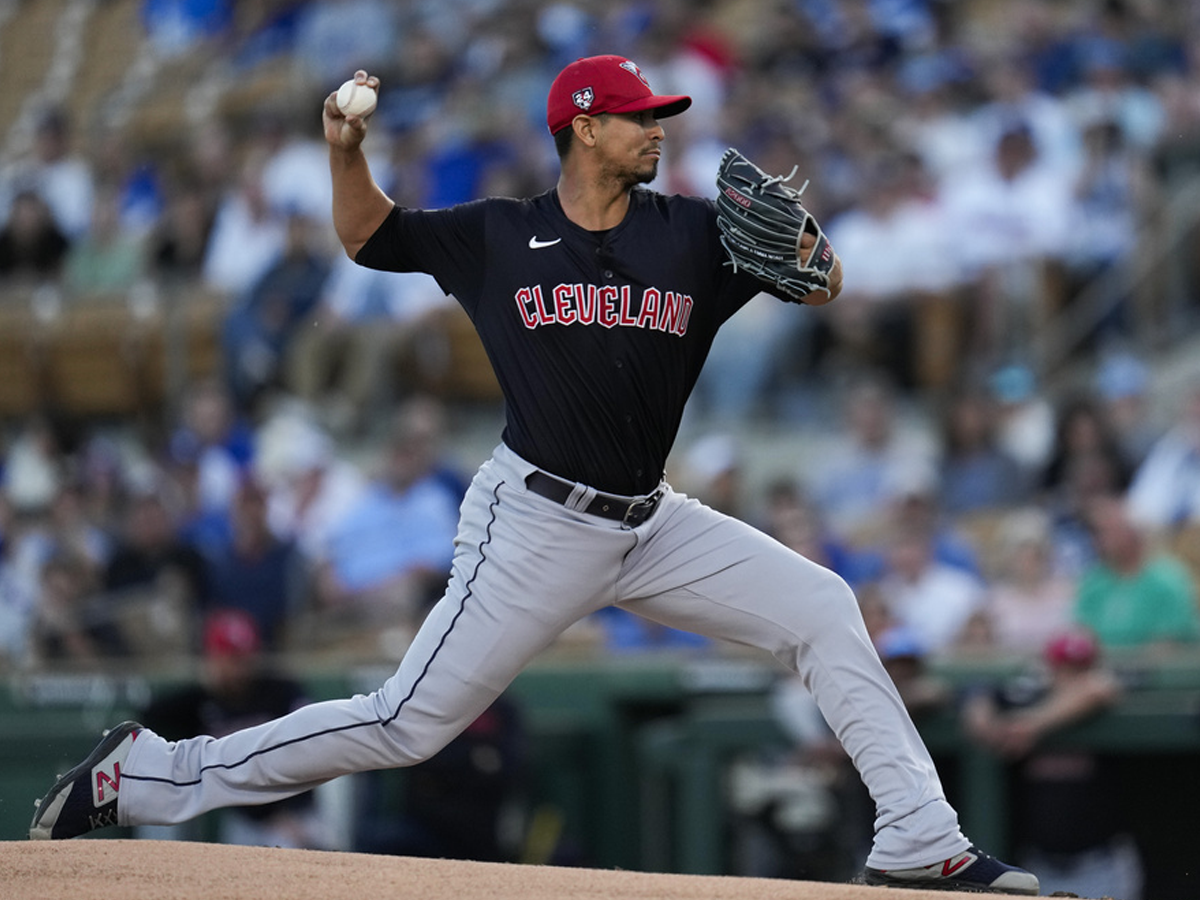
(359, 204)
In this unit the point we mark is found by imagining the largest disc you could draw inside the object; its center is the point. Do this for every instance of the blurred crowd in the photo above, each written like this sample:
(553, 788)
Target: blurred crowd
(1000, 522)
(981, 168)
(110, 551)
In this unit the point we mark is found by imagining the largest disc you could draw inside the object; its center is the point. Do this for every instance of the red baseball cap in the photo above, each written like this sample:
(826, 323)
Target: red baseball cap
(605, 84)
(1072, 648)
(231, 632)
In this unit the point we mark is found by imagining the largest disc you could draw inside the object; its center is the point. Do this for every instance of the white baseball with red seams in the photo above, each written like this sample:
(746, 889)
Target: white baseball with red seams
(356, 99)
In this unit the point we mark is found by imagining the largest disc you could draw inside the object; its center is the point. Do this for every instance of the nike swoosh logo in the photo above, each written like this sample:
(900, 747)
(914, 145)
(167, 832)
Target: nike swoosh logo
(535, 244)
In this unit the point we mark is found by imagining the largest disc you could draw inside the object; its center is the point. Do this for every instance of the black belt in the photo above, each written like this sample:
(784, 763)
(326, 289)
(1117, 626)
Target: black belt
(631, 511)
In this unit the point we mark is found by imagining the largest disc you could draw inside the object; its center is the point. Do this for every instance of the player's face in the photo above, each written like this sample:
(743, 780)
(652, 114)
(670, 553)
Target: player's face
(630, 146)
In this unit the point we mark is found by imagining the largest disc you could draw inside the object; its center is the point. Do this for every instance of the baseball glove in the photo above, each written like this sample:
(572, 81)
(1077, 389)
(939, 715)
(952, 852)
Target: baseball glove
(762, 222)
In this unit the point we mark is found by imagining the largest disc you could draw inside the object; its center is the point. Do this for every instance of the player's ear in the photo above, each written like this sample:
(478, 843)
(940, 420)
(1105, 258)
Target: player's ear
(585, 129)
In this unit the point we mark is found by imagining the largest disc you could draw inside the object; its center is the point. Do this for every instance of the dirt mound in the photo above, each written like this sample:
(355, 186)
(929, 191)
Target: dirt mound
(169, 870)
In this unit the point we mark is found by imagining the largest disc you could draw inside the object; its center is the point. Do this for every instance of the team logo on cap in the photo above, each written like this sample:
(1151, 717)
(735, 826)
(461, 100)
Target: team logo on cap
(584, 98)
(632, 69)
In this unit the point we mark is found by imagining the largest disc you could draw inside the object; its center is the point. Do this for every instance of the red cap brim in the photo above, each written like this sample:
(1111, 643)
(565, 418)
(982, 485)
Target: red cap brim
(664, 107)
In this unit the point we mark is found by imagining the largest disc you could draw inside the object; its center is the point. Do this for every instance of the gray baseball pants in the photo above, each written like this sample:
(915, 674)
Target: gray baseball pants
(526, 568)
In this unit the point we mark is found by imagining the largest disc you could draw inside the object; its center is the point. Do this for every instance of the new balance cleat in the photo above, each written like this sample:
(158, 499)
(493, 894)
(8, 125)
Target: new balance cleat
(971, 871)
(86, 797)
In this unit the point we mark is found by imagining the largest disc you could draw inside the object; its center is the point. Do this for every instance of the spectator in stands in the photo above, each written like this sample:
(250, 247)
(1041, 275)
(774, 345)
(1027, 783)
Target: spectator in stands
(295, 169)
(151, 567)
(1132, 597)
(237, 689)
(1024, 417)
(177, 245)
(216, 442)
(1108, 197)
(1165, 492)
(712, 469)
(1122, 387)
(36, 464)
(31, 473)
(934, 600)
(1088, 476)
(367, 326)
(32, 246)
(1010, 217)
(917, 505)
(73, 623)
(60, 529)
(202, 526)
(387, 558)
(876, 319)
(105, 470)
(248, 235)
(864, 464)
(18, 594)
(975, 473)
(55, 171)
(106, 258)
(71, 529)
(258, 330)
(1068, 821)
(133, 175)
(1109, 93)
(1012, 100)
(1081, 433)
(1029, 599)
(256, 572)
(310, 484)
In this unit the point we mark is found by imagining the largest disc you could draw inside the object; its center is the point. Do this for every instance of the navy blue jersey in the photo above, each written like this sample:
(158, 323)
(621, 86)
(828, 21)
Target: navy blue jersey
(596, 338)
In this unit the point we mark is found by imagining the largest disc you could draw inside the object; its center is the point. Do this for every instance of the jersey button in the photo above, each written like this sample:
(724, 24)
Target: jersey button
(608, 273)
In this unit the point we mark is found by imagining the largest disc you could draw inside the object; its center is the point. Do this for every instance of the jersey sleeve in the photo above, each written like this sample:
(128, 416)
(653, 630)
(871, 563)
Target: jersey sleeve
(445, 243)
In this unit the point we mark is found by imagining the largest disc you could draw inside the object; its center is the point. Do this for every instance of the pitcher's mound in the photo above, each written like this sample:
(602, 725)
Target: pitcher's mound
(174, 870)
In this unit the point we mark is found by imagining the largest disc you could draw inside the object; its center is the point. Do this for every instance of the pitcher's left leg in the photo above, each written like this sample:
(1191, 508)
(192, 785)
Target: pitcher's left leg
(700, 570)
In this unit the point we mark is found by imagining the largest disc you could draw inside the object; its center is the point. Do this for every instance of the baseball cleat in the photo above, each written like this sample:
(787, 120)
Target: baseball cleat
(86, 797)
(971, 871)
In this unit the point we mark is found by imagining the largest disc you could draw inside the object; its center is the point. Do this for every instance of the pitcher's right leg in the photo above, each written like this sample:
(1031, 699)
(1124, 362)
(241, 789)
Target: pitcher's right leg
(524, 570)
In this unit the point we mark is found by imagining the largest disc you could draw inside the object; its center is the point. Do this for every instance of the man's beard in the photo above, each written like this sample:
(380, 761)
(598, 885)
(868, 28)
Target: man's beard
(644, 175)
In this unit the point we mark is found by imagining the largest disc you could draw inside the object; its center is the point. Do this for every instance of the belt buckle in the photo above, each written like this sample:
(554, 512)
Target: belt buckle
(640, 510)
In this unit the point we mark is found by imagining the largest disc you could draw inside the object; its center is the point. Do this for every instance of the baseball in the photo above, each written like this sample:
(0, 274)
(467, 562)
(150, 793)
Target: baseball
(355, 99)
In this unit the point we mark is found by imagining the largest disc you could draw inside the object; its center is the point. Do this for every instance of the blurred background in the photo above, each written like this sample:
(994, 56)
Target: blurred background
(231, 461)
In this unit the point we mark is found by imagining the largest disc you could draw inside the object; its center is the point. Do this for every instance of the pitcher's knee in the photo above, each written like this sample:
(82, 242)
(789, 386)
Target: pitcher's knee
(835, 593)
(830, 607)
(407, 746)
(408, 736)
